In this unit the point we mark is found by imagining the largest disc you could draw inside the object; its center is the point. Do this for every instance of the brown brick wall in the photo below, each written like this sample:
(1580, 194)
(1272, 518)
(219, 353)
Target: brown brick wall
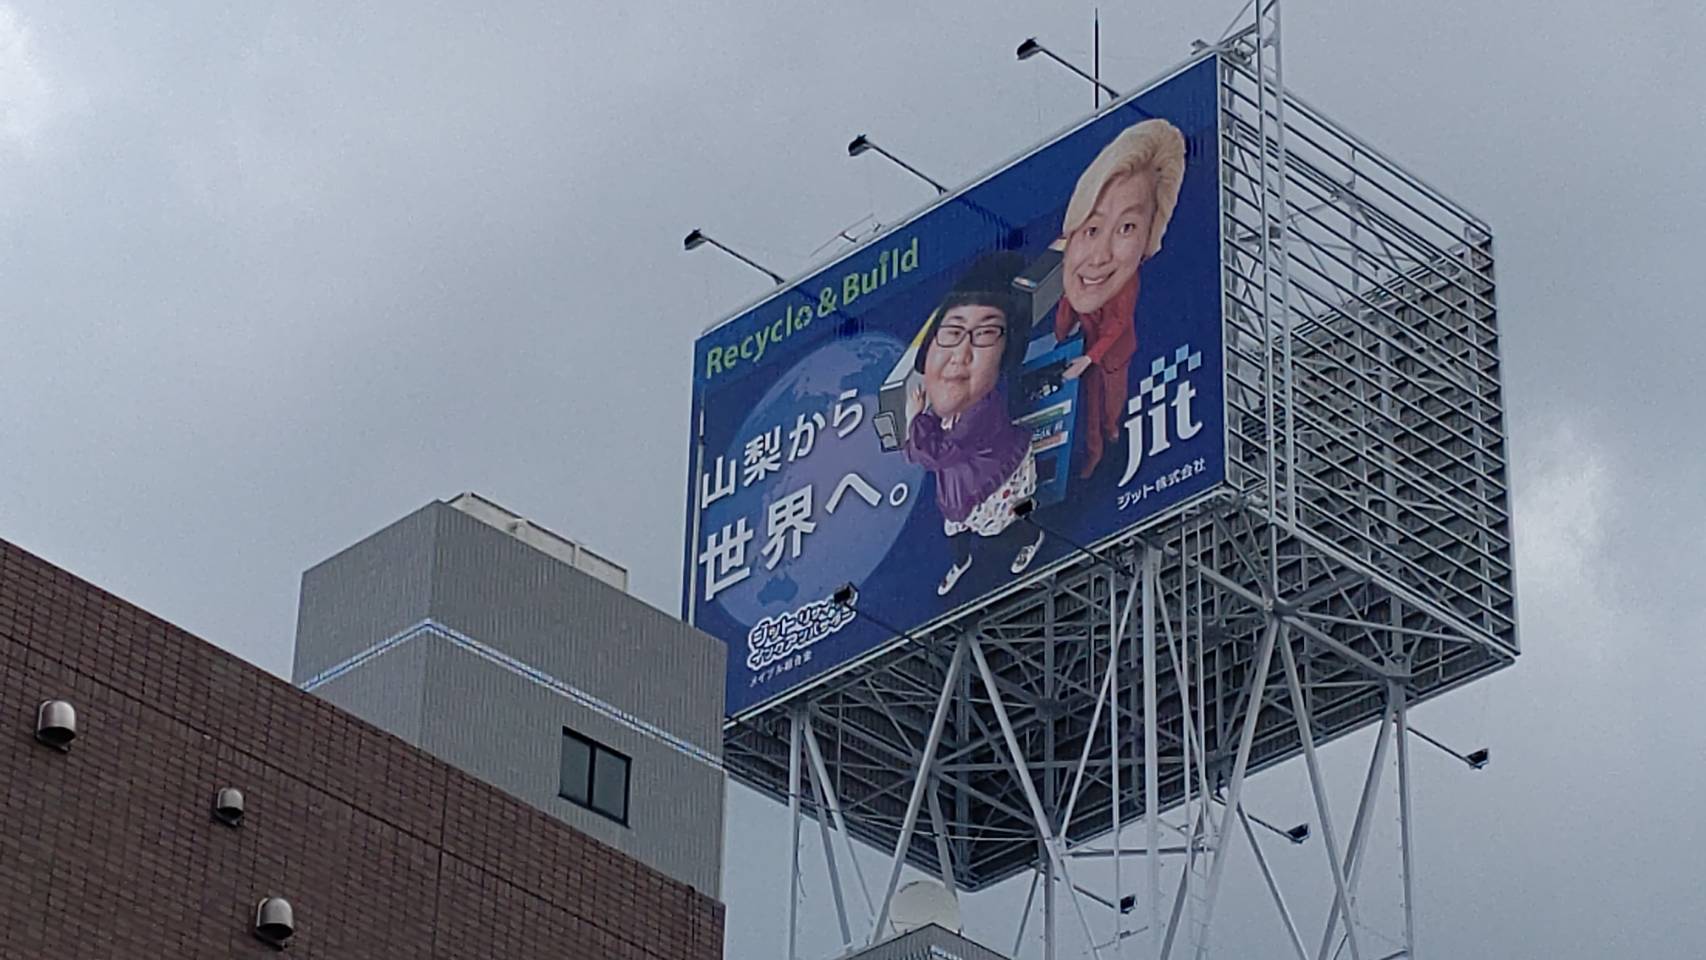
(110, 850)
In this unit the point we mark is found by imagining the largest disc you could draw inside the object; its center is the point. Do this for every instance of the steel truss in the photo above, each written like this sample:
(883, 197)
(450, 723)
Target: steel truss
(1357, 561)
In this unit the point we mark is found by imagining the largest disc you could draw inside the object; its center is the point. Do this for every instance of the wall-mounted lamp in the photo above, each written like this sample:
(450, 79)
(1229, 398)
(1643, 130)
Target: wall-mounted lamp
(1475, 759)
(863, 144)
(1031, 48)
(698, 238)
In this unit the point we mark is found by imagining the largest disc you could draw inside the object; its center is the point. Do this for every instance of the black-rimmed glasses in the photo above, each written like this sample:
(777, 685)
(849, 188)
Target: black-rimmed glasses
(980, 336)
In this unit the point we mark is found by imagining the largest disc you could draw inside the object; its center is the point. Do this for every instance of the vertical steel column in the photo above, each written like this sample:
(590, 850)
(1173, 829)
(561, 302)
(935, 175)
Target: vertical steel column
(1234, 789)
(1306, 733)
(922, 781)
(1115, 628)
(1048, 902)
(794, 818)
(1151, 748)
(1395, 693)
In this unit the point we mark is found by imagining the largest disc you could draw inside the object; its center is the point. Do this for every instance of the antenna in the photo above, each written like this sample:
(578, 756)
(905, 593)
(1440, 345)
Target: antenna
(1096, 58)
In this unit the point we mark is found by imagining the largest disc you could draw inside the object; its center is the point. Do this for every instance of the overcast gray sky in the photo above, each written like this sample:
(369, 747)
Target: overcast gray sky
(272, 275)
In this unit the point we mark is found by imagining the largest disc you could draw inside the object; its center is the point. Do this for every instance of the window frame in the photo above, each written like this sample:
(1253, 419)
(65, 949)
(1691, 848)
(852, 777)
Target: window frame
(595, 749)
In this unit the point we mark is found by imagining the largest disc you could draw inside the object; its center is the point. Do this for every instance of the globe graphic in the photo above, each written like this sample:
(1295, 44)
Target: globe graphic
(845, 545)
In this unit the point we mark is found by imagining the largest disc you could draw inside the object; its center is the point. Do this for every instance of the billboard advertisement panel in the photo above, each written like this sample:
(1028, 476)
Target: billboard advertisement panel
(1050, 334)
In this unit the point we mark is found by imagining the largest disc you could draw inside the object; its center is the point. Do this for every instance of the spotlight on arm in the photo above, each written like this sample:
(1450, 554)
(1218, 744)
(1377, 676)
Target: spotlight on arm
(698, 238)
(1475, 759)
(862, 144)
(1299, 833)
(1031, 48)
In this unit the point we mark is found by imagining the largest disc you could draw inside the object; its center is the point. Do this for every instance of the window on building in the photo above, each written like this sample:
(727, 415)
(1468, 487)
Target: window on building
(594, 776)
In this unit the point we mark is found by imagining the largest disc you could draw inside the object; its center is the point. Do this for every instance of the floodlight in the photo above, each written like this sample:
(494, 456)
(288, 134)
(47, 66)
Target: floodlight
(1024, 507)
(1031, 48)
(863, 143)
(1476, 759)
(1299, 833)
(845, 595)
(698, 238)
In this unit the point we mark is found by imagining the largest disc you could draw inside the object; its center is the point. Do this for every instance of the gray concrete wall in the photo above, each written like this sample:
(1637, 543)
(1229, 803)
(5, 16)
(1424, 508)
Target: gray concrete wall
(442, 564)
(493, 587)
(388, 692)
(365, 593)
(508, 730)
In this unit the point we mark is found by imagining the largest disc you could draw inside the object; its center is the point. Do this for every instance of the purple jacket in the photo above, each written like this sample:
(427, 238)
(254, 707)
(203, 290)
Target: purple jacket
(972, 460)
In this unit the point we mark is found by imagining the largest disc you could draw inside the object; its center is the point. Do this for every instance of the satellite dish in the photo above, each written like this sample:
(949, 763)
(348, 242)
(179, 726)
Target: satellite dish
(920, 903)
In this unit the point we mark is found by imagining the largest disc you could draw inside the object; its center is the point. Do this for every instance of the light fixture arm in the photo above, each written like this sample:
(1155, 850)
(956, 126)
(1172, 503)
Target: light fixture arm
(1474, 759)
(697, 237)
(1031, 47)
(862, 143)
(909, 168)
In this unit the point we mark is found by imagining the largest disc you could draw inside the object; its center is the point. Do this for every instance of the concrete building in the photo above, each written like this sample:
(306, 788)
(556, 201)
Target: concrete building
(110, 848)
(516, 655)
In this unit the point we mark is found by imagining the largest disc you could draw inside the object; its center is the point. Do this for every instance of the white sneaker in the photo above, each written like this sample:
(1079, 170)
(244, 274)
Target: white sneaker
(1026, 554)
(952, 577)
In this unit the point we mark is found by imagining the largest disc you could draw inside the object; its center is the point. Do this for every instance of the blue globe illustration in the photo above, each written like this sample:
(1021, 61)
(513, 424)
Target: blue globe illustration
(849, 543)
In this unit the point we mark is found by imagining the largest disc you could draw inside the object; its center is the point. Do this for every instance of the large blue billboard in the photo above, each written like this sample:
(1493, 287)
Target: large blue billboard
(1051, 335)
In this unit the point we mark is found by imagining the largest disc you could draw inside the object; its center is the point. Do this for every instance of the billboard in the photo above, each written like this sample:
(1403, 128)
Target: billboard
(1050, 334)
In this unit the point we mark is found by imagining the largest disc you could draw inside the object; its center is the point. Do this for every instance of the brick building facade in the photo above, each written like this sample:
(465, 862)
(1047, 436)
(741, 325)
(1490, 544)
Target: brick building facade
(110, 850)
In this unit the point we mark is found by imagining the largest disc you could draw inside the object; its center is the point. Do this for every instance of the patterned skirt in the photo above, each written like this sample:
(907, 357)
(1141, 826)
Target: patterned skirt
(995, 513)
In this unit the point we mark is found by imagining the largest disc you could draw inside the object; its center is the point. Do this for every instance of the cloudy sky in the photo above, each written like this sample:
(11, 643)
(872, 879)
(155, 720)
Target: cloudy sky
(272, 275)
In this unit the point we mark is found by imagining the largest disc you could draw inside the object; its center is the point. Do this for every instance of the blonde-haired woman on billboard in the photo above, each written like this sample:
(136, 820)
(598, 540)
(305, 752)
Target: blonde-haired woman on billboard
(1114, 223)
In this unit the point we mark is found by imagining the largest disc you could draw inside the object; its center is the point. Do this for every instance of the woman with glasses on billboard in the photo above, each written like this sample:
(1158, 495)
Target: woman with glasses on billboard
(958, 424)
(1113, 225)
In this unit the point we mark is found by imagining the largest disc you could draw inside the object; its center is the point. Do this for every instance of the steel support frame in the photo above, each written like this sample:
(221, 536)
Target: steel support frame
(1373, 552)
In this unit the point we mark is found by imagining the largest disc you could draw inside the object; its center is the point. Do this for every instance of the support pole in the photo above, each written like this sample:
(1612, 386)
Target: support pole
(1116, 627)
(1306, 733)
(1044, 829)
(794, 817)
(1151, 747)
(1048, 902)
(1395, 693)
(1235, 789)
(922, 781)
